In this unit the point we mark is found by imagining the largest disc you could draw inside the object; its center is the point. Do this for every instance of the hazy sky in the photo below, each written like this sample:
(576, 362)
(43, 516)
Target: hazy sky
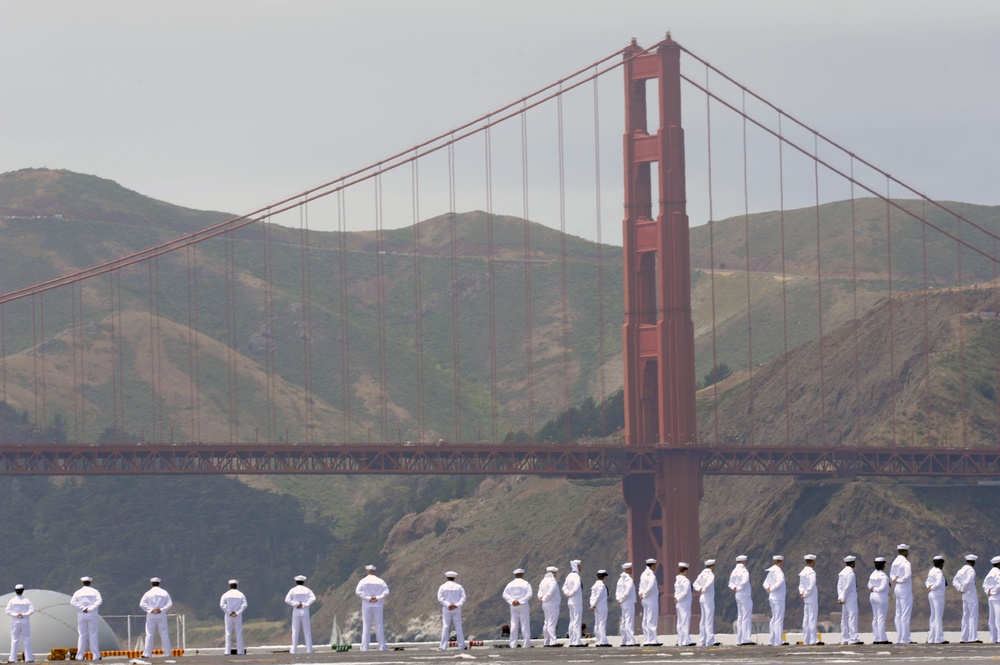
(232, 104)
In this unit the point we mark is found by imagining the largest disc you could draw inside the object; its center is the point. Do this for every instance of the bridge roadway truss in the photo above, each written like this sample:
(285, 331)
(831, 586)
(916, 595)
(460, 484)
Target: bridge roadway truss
(575, 461)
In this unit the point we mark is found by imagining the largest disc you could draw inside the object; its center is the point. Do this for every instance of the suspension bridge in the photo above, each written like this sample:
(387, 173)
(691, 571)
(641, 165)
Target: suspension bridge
(131, 344)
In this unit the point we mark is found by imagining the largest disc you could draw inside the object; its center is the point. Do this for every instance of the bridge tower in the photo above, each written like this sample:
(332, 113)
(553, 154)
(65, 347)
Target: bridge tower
(658, 334)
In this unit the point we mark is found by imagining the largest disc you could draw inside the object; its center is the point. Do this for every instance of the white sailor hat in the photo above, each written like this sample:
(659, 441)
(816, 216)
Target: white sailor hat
(86, 578)
(451, 573)
(576, 561)
(810, 557)
(741, 558)
(903, 546)
(995, 559)
(18, 587)
(370, 567)
(971, 557)
(938, 558)
(519, 571)
(551, 569)
(682, 564)
(648, 561)
(880, 559)
(301, 578)
(849, 558)
(154, 580)
(709, 562)
(602, 572)
(777, 557)
(233, 582)
(627, 564)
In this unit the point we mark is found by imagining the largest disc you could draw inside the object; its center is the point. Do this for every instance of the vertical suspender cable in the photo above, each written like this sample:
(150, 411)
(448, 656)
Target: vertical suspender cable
(3, 368)
(380, 280)
(114, 361)
(152, 356)
(711, 255)
(925, 296)
(40, 350)
(892, 354)
(306, 319)
(784, 288)
(455, 345)
(746, 238)
(269, 342)
(600, 260)
(74, 333)
(418, 320)
(491, 283)
(960, 293)
(855, 321)
(34, 364)
(345, 327)
(819, 296)
(528, 344)
(562, 257)
(162, 420)
(194, 344)
(231, 333)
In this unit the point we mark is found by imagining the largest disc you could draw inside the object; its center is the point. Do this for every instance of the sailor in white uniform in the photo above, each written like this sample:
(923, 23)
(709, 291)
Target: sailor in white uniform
(704, 584)
(19, 609)
(774, 585)
(847, 598)
(878, 587)
(572, 590)
(156, 603)
(86, 600)
(965, 583)
(991, 587)
(599, 606)
(233, 603)
(935, 585)
(517, 593)
(372, 591)
(625, 597)
(682, 597)
(901, 577)
(810, 600)
(299, 598)
(649, 593)
(549, 597)
(739, 582)
(451, 595)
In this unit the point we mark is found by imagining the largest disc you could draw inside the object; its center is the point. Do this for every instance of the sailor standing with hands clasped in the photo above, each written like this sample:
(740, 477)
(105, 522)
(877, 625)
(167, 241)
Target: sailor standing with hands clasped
(548, 595)
(451, 595)
(372, 590)
(774, 585)
(682, 597)
(739, 582)
(965, 582)
(878, 586)
(625, 597)
(233, 603)
(991, 587)
(649, 592)
(901, 576)
(704, 584)
(599, 606)
(935, 584)
(810, 600)
(299, 598)
(517, 593)
(847, 598)
(19, 609)
(572, 589)
(86, 600)
(156, 603)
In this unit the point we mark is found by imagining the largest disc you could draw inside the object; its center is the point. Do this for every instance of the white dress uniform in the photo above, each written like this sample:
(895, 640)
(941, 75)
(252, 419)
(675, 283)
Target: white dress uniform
(704, 584)
(372, 591)
(649, 593)
(935, 586)
(774, 585)
(991, 587)
(451, 595)
(86, 600)
(625, 597)
(299, 598)
(572, 590)
(599, 605)
(878, 586)
(739, 582)
(810, 602)
(517, 593)
(682, 597)
(965, 582)
(19, 609)
(156, 603)
(233, 603)
(549, 597)
(901, 577)
(847, 597)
